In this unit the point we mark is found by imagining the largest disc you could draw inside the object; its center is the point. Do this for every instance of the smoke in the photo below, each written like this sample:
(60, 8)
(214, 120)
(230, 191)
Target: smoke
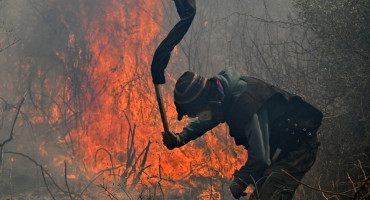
(83, 65)
(89, 127)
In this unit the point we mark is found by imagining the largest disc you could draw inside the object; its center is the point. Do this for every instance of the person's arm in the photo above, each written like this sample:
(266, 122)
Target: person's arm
(196, 128)
(192, 131)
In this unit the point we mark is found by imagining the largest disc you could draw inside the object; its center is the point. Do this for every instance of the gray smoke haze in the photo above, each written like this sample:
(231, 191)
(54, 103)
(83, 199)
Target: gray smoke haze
(264, 39)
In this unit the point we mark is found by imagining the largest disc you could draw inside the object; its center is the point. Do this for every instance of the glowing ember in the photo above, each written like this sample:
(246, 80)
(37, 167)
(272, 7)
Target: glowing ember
(42, 149)
(71, 176)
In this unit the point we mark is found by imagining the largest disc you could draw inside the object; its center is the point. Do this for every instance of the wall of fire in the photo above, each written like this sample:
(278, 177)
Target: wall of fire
(89, 126)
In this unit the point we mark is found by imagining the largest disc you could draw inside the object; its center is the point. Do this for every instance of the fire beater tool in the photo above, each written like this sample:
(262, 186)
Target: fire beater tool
(186, 10)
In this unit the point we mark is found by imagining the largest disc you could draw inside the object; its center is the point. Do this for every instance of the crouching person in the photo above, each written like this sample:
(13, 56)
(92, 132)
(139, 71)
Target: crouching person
(277, 128)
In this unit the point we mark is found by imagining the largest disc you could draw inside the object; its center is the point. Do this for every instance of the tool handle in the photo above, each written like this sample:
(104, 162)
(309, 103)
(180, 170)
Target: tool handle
(158, 93)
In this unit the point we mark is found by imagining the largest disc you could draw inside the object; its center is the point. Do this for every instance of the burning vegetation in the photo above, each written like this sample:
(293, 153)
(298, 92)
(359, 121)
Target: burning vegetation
(79, 118)
(100, 99)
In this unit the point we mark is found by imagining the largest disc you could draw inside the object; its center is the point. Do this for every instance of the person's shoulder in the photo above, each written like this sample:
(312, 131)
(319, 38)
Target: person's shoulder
(229, 71)
(229, 75)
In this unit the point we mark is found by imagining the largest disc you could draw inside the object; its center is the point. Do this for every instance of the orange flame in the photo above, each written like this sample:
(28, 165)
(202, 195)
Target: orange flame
(120, 127)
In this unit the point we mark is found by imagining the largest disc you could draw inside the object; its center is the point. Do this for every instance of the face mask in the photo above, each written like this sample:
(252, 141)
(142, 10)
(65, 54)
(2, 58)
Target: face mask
(205, 115)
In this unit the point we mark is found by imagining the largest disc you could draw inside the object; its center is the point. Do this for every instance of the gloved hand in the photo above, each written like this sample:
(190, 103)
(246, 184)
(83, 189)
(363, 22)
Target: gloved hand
(172, 140)
(237, 190)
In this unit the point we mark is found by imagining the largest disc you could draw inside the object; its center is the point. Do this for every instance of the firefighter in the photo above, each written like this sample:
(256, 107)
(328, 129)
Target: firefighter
(278, 129)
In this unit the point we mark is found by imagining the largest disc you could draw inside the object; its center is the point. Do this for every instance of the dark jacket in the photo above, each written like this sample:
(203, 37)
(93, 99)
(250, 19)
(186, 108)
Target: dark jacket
(255, 112)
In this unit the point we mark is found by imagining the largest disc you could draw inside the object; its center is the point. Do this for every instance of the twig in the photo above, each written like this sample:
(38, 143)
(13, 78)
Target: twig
(323, 191)
(362, 169)
(151, 16)
(124, 190)
(279, 23)
(15, 40)
(65, 178)
(362, 187)
(160, 187)
(353, 184)
(142, 165)
(111, 160)
(47, 187)
(323, 194)
(97, 176)
(43, 171)
(2, 144)
(110, 194)
(14, 121)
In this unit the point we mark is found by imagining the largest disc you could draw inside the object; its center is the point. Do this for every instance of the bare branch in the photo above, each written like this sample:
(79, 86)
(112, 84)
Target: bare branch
(362, 187)
(12, 130)
(65, 179)
(47, 187)
(353, 184)
(9, 45)
(124, 190)
(15, 120)
(362, 169)
(111, 160)
(97, 175)
(109, 193)
(43, 171)
(324, 191)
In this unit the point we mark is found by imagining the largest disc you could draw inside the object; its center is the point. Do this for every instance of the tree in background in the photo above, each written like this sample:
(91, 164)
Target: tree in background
(340, 46)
